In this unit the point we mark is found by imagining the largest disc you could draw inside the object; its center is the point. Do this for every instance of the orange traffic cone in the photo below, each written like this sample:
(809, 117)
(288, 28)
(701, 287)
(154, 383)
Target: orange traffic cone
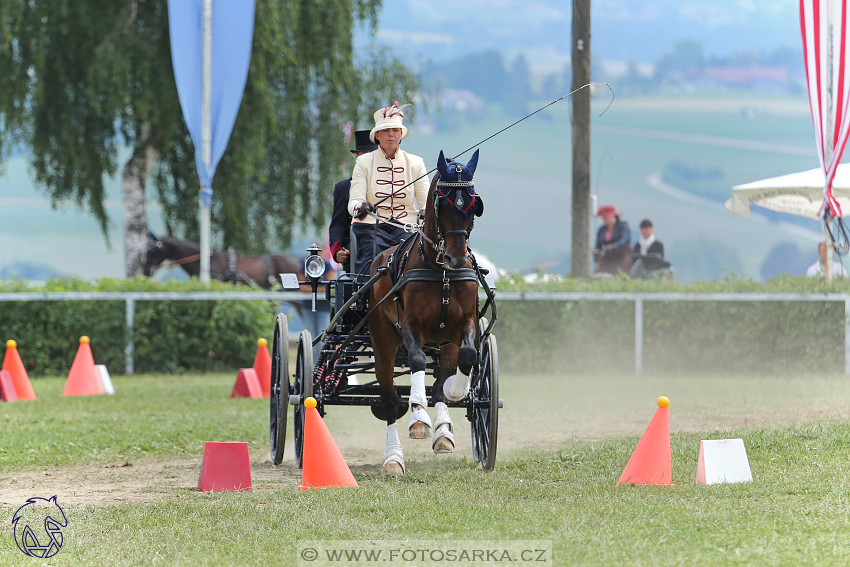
(322, 463)
(7, 387)
(225, 467)
(84, 379)
(263, 366)
(651, 463)
(247, 385)
(12, 363)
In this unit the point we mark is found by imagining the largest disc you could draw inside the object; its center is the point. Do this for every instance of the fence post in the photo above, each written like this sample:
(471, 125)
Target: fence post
(129, 317)
(846, 337)
(638, 335)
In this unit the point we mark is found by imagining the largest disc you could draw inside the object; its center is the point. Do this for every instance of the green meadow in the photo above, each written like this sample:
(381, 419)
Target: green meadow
(125, 468)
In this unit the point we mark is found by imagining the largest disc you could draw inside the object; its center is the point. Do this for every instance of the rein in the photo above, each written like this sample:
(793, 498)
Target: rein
(490, 137)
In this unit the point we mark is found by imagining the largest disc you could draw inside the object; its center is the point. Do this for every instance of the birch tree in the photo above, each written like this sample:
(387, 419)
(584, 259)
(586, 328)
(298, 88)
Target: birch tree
(88, 88)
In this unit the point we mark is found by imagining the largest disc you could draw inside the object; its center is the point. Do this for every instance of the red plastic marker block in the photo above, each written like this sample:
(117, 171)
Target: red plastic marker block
(7, 387)
(247, 385)
(226, 467)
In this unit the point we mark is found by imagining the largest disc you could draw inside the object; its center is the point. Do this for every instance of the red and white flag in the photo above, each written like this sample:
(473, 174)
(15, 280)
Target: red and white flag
(824, 27)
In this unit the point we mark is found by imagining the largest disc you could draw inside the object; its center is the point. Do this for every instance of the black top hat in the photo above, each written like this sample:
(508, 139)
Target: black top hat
(362, 143)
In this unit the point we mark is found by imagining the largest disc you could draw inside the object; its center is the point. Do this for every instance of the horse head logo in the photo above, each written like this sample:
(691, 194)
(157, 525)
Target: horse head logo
(38, 527)
(456, 185)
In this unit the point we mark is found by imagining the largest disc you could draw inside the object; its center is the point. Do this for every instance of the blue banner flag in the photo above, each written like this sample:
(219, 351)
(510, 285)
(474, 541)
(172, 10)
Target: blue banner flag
(231, 34)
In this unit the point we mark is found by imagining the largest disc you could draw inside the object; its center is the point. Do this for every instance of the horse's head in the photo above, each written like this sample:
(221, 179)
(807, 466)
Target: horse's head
(455, 206)
(155, 253)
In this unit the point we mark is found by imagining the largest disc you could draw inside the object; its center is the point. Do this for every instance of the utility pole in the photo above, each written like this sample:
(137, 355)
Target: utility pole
(580, 261)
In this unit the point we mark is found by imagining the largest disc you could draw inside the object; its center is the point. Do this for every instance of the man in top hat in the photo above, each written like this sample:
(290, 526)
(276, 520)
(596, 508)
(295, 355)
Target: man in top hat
(339, 231)
(390, 184)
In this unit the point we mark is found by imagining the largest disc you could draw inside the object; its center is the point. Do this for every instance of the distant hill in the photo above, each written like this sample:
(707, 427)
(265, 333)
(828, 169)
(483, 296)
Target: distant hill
(621, 29)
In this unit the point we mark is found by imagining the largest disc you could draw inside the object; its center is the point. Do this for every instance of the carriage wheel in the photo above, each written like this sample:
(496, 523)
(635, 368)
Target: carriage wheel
(476, 380)
(303, 388)
(485, 422)
(279, 393)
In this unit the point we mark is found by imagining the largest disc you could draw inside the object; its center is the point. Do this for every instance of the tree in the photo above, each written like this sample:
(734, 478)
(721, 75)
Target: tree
(786, 258)
(82, 81)
(686, 60)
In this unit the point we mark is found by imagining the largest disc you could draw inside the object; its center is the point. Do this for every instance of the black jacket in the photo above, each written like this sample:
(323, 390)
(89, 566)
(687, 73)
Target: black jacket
(340, 227)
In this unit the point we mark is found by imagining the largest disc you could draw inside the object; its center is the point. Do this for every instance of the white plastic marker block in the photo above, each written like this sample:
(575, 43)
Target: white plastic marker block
(723, 461)
(104, 380)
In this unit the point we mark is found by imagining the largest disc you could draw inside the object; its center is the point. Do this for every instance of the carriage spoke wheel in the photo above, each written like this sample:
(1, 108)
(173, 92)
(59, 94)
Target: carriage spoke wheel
(279, 392)
(485, 421)
(303, 388)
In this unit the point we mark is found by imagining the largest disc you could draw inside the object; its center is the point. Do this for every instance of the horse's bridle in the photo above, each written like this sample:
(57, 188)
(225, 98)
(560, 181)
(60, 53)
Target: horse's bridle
(440, 246)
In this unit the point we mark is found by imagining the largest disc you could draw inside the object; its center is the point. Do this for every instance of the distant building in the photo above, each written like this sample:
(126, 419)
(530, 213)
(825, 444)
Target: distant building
(751, 77)
(460, 101)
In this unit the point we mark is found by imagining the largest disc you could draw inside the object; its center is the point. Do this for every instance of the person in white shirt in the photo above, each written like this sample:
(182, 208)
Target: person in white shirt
(387, 182)
(817, 269)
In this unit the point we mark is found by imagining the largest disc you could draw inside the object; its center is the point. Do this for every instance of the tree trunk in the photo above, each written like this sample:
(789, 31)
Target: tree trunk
(580, 260)
(136, 172)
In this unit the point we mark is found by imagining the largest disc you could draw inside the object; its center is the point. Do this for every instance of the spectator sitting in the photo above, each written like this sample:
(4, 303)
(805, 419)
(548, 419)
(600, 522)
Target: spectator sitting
(648, 253)
(817, 269)
(613, 251)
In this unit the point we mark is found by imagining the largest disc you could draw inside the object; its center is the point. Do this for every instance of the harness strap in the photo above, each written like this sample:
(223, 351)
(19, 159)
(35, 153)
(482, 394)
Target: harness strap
(172, 263)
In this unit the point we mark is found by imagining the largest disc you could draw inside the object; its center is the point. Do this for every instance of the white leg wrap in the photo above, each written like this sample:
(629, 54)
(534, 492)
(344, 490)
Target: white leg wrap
(418, 401)
(417, 389)
(392, 447)
(456, 386)
(441, 416)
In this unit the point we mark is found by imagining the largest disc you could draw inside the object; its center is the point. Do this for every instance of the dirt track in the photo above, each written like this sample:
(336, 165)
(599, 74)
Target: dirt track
(540, 413)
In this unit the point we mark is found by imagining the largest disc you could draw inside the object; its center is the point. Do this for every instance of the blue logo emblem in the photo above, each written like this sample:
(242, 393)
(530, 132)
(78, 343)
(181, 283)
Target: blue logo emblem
(38, 527)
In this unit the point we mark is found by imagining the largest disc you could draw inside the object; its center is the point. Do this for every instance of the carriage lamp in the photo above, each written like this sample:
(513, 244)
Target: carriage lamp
(314, 265)
(314, 269)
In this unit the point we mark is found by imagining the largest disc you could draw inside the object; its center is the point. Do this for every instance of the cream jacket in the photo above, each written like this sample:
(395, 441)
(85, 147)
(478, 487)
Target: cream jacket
(375, 177)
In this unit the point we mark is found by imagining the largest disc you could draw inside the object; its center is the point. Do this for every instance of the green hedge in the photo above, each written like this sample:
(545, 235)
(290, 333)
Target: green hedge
(169, 336)
(534, 336)
(679, 336)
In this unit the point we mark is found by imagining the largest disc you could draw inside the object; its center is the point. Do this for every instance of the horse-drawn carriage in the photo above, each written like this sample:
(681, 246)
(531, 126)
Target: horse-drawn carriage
(425, 306)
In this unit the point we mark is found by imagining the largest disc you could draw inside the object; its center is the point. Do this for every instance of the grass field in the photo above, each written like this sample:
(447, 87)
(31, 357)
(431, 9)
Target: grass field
(125, 469)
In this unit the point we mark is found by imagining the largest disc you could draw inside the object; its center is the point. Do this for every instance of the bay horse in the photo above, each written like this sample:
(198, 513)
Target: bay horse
(434, 302)
(262, 270)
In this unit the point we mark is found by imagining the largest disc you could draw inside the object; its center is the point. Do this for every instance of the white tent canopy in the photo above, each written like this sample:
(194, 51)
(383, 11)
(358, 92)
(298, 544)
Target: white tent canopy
(796, 193)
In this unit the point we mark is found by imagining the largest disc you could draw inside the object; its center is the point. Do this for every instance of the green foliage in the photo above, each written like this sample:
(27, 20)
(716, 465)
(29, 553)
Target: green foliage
(168, 336)
(785, 257)
(679, 336)
(710, 182)
(82, 81)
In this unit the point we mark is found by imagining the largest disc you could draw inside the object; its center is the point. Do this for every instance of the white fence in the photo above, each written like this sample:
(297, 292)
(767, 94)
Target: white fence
(130, 299)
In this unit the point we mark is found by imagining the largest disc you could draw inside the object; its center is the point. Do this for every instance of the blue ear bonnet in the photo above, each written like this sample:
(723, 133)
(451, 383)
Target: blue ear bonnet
(456, 186)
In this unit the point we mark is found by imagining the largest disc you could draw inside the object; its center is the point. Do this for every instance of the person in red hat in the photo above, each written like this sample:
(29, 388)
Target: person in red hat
(613, 250)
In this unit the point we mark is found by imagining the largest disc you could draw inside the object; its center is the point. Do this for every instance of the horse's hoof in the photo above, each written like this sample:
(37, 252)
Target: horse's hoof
(419, 430)
(443, 445)
(392, 469)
